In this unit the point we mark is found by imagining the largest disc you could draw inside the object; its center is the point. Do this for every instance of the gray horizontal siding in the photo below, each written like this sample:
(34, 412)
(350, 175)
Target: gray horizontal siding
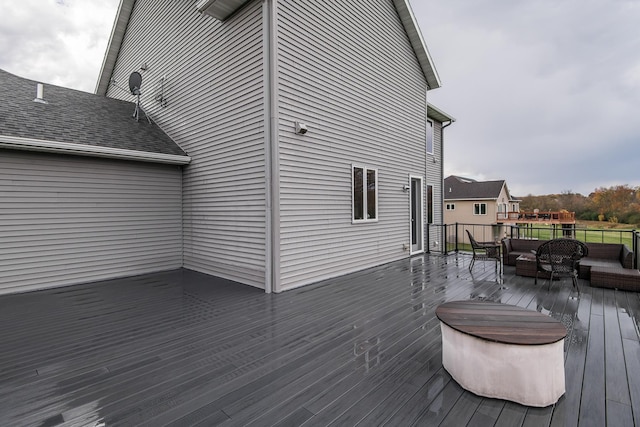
(68, 219)
(349, 72)
(434, 241)
(215, 112)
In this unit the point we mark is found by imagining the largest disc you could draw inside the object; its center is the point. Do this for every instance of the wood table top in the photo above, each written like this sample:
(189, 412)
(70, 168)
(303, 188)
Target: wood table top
(501, 323)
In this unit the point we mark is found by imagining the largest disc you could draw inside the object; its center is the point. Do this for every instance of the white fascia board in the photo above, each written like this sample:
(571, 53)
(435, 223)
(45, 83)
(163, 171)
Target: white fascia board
(417, 42)
(113, 48)
(437, 114)
(506, 189)
(511, 198)
(16, 143)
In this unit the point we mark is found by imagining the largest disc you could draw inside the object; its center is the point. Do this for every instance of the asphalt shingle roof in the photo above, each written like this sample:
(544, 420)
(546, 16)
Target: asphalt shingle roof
(458, 188)
(76, 117)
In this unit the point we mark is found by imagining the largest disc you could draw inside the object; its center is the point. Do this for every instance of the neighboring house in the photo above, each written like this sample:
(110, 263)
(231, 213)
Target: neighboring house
(468, 201)
(312, 150)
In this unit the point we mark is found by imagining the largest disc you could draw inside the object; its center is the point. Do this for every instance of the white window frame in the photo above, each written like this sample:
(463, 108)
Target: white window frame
(429, 134)
(422, 214)
(479, 209)
(365, 170)
(451, 206)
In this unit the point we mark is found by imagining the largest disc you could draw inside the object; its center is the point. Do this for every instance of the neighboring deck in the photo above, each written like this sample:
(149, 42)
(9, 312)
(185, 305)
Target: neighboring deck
(536, 217)
(183, 348)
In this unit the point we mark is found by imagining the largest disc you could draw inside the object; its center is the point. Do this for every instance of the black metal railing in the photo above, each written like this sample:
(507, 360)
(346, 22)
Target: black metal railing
(446, 238)
(636, 245)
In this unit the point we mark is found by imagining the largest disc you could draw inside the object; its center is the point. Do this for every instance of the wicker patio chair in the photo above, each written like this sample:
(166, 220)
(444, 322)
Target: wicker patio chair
(559, 258)
(485, 251)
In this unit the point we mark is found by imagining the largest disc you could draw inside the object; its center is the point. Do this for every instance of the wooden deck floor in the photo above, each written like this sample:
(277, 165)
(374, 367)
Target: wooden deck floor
(182, 348)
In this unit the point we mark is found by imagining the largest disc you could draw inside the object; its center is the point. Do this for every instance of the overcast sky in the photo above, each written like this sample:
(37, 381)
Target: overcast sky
(546, 93)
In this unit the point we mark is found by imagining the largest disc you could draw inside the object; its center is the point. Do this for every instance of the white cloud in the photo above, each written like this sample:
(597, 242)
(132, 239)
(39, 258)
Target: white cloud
(546, 93)
(632, 76)
(58, 42)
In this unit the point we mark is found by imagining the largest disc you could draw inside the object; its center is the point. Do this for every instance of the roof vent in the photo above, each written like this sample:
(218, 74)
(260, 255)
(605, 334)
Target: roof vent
(40, 94)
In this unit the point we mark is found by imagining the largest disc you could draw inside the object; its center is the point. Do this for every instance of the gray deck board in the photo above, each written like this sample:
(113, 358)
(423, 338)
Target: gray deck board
(538, 417)
(183, 348)
(440, 406)
(512, 415)
(632, 363)
(619, 414)
(465, 407)
(487, 414)
(615, 370)
(592, 405)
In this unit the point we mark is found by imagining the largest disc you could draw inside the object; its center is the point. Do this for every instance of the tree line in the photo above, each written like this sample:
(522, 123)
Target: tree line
(620, 203)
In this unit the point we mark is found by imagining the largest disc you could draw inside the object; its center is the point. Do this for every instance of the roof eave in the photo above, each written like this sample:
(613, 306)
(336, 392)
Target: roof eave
(28, 144)
(113, 48)
(402, 6)
(437, 114)
(220, 9)
(417, 42)
(506, 189)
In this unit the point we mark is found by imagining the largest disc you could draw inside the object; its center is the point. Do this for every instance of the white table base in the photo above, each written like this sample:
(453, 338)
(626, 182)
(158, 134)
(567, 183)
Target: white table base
(532, 375)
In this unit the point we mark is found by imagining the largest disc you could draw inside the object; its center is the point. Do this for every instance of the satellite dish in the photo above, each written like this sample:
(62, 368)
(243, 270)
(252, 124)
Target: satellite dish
(135, 83)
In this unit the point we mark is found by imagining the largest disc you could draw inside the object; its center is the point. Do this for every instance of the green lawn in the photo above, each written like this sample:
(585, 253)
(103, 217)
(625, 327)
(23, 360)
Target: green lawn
(585, 234)
(590, 235)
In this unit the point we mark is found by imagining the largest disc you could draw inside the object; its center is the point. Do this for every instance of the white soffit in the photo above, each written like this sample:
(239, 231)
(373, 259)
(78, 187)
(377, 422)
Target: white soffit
(437, 114)
(220, 9)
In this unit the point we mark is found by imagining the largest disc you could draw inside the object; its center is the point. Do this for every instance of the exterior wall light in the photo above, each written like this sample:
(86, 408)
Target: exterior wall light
(301, 128)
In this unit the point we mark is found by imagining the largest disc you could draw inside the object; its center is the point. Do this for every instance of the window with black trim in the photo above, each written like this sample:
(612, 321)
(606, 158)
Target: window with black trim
(429, 204)
(451, 206)
(365, 194)
(429, 137)
(479, 208)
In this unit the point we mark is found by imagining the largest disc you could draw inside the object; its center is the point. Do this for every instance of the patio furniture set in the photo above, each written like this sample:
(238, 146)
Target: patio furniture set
(484, 343)
(606, 265)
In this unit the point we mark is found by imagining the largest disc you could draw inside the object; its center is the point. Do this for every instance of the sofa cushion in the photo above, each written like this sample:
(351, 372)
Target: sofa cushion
(616, 277)
(596, 262)
(605, 250)
(513, 248)
(617, 251)
(626, 257)
(588, 262)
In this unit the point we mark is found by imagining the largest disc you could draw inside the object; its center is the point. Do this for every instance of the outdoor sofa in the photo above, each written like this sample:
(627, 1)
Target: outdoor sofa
(607, 264)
